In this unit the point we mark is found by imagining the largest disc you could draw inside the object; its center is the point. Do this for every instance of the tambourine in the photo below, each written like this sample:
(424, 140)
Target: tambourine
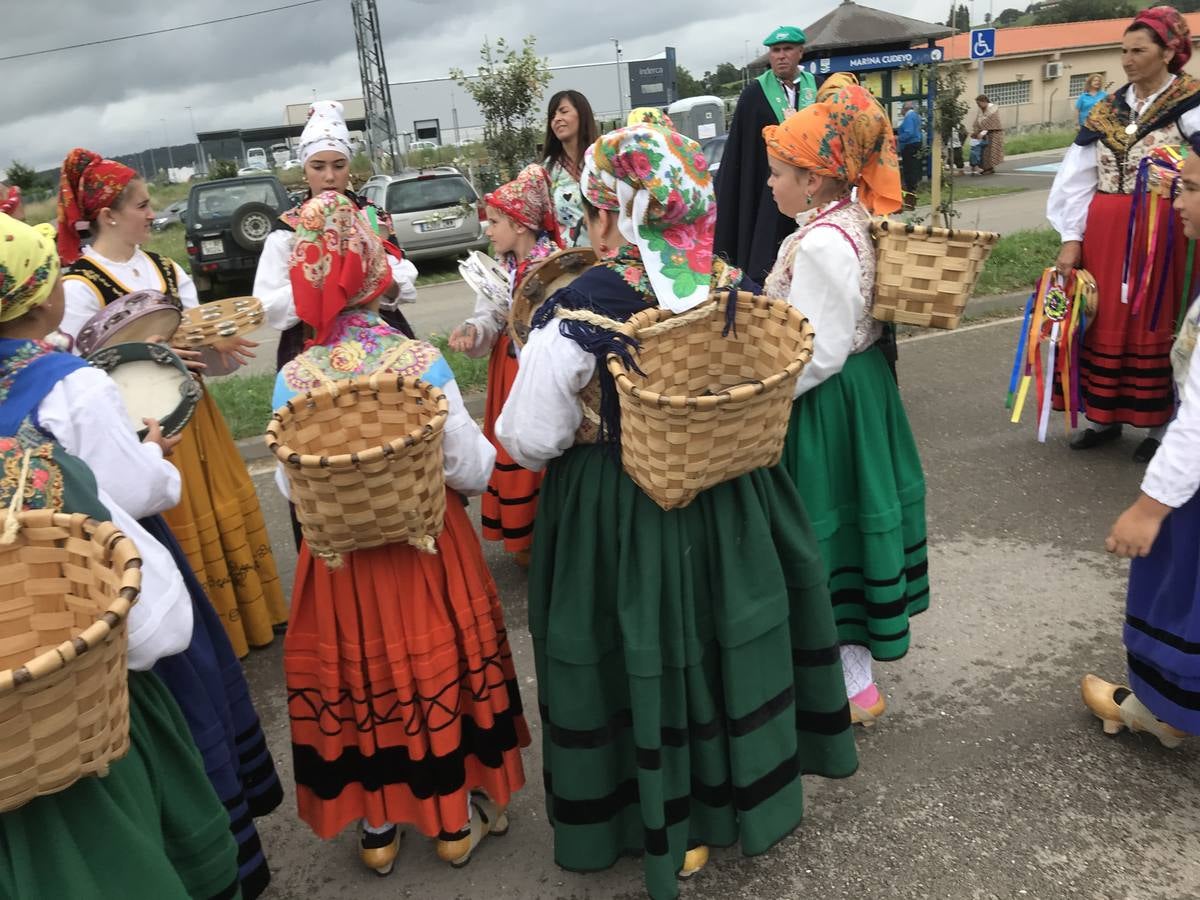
(219, 320)
(154, 384)
(486, 277)
(135, 317)
(556, 271)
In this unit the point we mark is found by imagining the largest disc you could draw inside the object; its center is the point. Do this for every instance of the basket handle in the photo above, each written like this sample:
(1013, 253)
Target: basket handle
(12, 524)
(386, 361)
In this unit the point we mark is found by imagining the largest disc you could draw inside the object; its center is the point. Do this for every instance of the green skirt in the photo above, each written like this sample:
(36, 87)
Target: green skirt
(152, 827)
(851, 453)
(687, 666)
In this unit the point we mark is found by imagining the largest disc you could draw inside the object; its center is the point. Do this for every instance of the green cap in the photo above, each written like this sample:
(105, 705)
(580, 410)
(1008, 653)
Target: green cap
(785, 34)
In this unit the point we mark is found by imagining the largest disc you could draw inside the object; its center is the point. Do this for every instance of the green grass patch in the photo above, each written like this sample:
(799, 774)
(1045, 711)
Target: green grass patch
(968, 192)
(469, 372)
(245, 402)
(169, 243)
(1017, 260)
(1036, 141)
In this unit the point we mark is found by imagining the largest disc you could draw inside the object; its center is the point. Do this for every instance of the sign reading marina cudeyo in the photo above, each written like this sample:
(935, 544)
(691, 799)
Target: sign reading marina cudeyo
(883, 59)
(652, 81)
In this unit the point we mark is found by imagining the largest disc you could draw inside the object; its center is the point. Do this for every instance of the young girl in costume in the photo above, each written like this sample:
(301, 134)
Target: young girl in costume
(403, 700)
(849, 447)
(218, 521)
(524, 231)
(1161, 532)
(687, 663)
(151, 827)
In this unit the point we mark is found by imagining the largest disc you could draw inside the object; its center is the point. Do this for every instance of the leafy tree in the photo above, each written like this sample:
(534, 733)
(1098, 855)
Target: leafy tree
(1008, 17)
(687, 85)
(1083, 11)
(959, 18)
(727, 73)
(222, 168)
(508, 90)
(23, 176)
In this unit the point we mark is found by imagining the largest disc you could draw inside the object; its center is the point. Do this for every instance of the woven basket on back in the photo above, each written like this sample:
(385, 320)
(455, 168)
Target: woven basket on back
(710, 407)
(924, 276)
(363, 458)
(67, 584)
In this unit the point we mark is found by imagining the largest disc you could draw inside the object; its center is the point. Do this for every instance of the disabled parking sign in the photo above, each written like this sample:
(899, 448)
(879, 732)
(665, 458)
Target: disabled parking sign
(983, 43)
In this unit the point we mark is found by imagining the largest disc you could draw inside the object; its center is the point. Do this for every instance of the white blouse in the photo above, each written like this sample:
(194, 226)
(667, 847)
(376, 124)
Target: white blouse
(273, 284)
(84, 414)
(1173, 476)
(1079, 174)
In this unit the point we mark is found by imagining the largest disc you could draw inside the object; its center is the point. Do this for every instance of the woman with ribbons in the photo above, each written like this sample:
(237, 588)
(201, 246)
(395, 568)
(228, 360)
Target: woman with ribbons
(849, 447)
(218, 521)
(402, 696)
(1126, 236)
(687, 663)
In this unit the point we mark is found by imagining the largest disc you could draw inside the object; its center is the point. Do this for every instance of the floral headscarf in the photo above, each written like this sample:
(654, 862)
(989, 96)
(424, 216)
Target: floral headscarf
(337, 262)
(650, 115)
(1172, 30)
(88, 183)
(835, 83)
(846, 136)
(659, 184)
(10, 198)
(527, 200)
(28, 268)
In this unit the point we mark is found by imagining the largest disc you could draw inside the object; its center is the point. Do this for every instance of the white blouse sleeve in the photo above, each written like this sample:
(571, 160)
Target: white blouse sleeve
(543, 412)
(826, 288)
(405, 275)
(85, 414)
(468, 456)
(489, 321)
(1189, 122)
(1173, 476)
(82, 302)
(272, 282)
(187, 288)
(1072, 191)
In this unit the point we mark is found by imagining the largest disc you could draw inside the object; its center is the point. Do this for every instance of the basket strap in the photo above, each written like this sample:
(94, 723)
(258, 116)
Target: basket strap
(692, 315)
(591, 318)
(12, 524)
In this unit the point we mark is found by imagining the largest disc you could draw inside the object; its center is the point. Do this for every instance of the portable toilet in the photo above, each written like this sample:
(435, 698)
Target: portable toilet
(699, 118)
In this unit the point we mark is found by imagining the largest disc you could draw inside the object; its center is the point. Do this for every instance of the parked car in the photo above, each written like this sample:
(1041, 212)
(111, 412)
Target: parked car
(435, 211)
(227, 223)
(713, 149)
(254, 167)
(423, 145)
(256, 156)
(290, 164)
(280, 153)
(169, 216)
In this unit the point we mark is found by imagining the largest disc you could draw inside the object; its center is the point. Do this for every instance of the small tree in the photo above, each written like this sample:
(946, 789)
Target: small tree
(508, 89)
(222, 168)
(687, 85)
(23, 176)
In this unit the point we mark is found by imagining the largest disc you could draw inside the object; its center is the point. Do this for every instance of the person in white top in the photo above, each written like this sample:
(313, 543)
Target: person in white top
(1160, 531)
(1124, 371)
(325, 154)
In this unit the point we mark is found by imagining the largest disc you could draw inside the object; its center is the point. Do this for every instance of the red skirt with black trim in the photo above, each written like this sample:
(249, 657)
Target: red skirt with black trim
(1125, 367)
(508, 508)
(401, 689)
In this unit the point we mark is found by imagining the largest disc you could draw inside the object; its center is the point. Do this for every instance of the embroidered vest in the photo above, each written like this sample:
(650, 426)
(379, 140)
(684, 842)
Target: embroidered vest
(107, 287)
(1118, 171)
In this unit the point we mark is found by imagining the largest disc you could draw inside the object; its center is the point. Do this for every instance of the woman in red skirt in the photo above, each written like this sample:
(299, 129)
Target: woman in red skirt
(1124, 369)
(524, 231)
(402, 697)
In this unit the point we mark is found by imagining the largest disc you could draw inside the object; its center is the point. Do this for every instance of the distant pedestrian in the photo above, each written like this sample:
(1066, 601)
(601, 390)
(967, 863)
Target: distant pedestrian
(1093, 93)
(989, 131)
(909, 138)
(570, 129)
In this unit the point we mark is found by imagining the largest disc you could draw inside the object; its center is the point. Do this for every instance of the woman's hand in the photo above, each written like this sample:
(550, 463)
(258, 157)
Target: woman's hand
(190, 358)
(1134, 532)
(155, 436)
(234, 351)
(1070, 255)
(462, 338)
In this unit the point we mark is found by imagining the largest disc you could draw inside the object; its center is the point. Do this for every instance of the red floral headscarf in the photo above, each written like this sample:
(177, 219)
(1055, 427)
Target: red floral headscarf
(1172, 30)
(526, 200)
(88, 183)
(337, 262)
(10, 200)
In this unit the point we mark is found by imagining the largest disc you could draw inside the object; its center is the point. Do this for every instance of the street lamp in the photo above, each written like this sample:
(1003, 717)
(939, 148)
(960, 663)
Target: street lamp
(1020, 78)
(620, 93)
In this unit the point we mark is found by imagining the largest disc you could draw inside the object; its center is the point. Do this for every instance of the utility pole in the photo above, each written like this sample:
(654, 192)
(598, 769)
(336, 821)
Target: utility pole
(200, 167)
(170, 156)
(382, 145)
(620, 92)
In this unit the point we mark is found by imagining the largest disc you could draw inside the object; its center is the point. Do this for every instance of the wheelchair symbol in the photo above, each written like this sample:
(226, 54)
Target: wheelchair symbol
(983, 44)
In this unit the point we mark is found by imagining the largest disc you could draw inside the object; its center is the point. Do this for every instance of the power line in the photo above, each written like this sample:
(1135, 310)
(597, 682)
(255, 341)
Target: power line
(129, 37)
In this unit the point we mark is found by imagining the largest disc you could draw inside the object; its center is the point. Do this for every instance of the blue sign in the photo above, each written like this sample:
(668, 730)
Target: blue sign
(983, 43)
(865, 62)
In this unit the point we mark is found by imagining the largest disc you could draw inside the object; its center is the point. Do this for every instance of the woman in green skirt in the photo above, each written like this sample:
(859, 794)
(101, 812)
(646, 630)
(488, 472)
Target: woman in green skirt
(849, 446)
(687, 660)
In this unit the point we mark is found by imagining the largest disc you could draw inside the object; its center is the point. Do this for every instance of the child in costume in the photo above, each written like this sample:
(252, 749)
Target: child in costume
(524, 231)
(401, 690)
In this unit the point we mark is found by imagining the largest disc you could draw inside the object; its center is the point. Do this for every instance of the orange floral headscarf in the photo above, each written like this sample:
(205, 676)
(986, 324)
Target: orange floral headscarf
(846, 136)
(835, 83)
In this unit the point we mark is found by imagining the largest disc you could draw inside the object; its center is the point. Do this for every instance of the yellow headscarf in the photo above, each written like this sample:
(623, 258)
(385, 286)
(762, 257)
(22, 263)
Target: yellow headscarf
(28, 268)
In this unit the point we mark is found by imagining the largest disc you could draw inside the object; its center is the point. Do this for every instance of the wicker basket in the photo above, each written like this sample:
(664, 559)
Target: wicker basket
(363, 458)
(924, 276)
(67, 584)
(710, 407)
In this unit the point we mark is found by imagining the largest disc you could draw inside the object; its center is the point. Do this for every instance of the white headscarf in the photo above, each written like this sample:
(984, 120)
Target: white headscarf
(325, 130)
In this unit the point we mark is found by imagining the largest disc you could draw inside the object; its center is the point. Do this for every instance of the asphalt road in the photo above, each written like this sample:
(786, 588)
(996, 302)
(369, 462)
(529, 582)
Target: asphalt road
(987, 778)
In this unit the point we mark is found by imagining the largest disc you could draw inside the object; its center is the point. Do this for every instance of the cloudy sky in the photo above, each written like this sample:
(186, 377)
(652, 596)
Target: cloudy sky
(125, 96)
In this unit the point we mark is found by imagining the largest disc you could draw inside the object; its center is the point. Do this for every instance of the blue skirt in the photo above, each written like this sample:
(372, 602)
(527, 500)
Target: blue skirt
(1162, 621)
(207, 682)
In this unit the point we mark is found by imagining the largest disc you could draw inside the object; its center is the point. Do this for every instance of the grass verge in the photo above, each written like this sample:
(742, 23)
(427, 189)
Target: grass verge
(470, 373)
(1017, 260)
(245, 402)
(1036, 141)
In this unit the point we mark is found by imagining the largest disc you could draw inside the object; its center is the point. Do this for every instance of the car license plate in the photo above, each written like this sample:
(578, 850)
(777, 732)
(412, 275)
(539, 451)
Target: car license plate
(213, 247)
(440, 225)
